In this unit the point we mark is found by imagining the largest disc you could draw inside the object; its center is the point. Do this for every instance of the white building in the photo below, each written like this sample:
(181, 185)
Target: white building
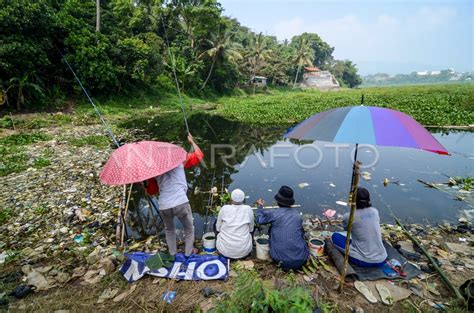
(423, 73)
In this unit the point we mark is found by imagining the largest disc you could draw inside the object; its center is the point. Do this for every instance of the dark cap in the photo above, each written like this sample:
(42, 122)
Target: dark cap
(285, 196)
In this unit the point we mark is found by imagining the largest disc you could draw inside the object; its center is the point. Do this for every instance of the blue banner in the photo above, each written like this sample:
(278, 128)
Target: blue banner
(195, 267)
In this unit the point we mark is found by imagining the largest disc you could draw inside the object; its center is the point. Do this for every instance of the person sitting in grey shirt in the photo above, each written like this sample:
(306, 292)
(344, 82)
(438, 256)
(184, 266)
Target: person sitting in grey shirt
(366, 247)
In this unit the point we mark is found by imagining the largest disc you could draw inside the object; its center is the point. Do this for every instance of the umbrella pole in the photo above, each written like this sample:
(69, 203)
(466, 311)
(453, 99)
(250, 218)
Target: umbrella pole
(119, 228)
(352, 203)
(124, 229)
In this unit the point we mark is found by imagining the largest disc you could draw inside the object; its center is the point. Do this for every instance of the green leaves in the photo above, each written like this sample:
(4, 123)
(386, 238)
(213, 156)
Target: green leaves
(159, 260)
(251, 294)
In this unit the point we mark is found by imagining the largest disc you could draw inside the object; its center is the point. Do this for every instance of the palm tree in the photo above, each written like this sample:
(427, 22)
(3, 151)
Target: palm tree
(24, 88)
(222, 47)
(258, 52)
(304, 56)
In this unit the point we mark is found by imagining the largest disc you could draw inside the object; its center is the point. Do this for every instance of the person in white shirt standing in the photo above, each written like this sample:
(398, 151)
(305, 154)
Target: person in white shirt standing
(234, 225)
(173, 201)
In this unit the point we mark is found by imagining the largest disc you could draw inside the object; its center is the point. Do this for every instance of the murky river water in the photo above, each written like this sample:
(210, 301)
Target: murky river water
(258, 160)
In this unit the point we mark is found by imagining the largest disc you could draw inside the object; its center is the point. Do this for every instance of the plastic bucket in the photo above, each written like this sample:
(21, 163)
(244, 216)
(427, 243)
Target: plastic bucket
(209, 242)
(263, 248)
(316, 246)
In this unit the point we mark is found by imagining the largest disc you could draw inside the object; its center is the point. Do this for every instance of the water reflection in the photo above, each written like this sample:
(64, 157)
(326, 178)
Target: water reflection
(262, 161)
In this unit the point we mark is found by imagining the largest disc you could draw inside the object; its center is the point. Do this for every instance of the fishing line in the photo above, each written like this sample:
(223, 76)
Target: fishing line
(173, 60)
(107, 127)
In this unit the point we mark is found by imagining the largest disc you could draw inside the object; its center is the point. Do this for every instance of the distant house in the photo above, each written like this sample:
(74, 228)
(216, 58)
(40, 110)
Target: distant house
(259, 81)
(314, 77)
(435, 72)
(423, 73)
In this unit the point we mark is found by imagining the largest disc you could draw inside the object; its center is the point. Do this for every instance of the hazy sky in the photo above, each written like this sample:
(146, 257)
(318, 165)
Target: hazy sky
(379, 36)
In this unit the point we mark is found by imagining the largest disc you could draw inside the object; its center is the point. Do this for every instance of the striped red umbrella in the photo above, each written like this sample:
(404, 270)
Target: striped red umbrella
(139, 161)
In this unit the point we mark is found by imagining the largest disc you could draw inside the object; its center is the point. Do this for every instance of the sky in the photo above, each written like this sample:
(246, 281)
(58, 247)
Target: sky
(389, 36)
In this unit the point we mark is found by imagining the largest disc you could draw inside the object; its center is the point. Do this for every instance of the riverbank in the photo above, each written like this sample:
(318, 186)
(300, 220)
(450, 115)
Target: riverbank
(55, 213)
(59, 221)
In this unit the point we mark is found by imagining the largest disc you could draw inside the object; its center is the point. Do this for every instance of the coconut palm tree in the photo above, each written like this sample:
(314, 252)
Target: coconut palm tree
(304, 56)
(258, 51)
(222, 47)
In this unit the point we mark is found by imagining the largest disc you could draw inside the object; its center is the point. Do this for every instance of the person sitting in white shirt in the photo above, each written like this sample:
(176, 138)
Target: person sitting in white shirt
(234, 225)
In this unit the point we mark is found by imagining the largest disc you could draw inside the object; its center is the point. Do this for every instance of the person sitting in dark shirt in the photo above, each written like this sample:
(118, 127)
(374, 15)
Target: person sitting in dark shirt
(287, 244)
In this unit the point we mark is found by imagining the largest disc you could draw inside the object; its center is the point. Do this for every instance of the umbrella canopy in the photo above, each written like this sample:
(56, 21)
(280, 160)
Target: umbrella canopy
(139, 161)
(366, 125)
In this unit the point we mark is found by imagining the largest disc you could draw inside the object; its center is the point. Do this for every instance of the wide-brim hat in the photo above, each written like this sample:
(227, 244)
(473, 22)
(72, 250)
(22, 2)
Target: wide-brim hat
(285, 196)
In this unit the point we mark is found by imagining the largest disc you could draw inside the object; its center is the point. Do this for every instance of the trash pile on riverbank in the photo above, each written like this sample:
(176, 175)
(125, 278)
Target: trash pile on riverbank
(451, 245)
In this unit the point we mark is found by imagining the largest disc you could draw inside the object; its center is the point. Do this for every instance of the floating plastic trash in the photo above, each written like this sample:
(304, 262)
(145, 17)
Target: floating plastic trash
(341, 203)
(366, 175)
(303, 185)
(329, 213)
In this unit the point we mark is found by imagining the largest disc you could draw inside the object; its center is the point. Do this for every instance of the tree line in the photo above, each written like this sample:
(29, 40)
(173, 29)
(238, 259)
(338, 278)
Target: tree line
(118, 46)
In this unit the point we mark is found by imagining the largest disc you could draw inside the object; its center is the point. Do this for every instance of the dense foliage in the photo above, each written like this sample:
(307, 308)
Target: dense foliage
(141, 44)
(429, 105)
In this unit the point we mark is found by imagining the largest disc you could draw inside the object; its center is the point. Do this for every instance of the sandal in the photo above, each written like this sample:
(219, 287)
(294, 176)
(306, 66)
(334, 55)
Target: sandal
(384, 294)
(365, 291)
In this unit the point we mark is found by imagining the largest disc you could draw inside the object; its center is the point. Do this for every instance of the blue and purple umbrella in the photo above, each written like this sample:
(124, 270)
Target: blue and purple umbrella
(366, 125)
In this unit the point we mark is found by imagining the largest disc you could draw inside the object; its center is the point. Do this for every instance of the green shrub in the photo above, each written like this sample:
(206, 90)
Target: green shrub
(252, 295)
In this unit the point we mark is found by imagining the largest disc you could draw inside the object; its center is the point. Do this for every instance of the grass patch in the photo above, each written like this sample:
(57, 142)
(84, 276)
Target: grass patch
(429, 105)
(41, 162)
(13, 157)
(23, 139)
(5, 214)
(99, 141)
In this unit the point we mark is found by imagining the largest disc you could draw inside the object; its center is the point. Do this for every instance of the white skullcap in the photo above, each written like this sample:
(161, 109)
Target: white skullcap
(237, 196)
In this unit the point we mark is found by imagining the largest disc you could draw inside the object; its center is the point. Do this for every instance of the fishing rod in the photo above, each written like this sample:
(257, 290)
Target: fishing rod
(173, 68)
(107, 127)
(209, 204)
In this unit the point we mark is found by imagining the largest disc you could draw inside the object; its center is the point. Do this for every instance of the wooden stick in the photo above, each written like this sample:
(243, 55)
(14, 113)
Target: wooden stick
(276, 206)
(125, 215)
(119, 229)
(432, 261)
(352, 203)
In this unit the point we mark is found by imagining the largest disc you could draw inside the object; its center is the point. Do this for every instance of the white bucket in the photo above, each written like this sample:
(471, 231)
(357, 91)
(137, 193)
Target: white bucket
(316, 246)
(263, 247)
(209, 242)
